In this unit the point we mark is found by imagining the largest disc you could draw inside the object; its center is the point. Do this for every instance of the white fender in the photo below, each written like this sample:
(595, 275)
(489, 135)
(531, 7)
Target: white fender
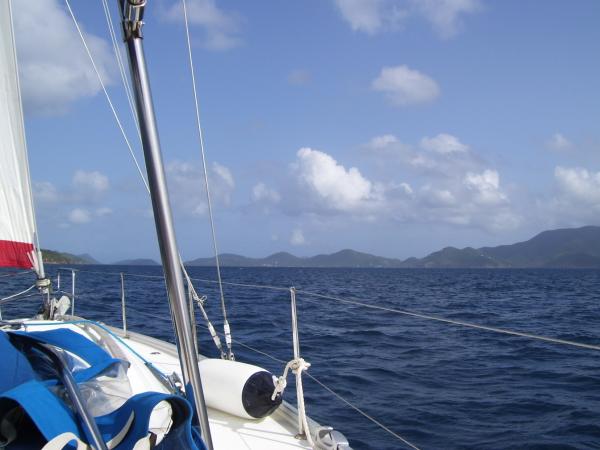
(240, 389)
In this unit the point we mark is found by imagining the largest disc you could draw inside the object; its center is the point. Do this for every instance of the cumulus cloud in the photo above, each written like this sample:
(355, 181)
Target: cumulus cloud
(86, 188)
(445, 16)
(331, 185)
(374, 16)
(559, 142)
(468, 193)
(579, 185)
(442, 155)
(444, 144)
(450, 183)
(371, 16)
(485, 187)
(80, 202)
(404, 86)
(92, 182)
(221, 28)
(575, 200)
(79, 216)
(55, 70)
(297, 237)
(186, 184)
(262, 193)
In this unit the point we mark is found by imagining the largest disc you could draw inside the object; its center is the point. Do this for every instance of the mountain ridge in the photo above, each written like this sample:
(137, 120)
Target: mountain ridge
(561, 248)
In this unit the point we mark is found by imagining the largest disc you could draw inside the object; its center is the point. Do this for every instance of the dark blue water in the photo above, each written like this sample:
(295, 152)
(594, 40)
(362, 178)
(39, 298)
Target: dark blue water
(440, 386)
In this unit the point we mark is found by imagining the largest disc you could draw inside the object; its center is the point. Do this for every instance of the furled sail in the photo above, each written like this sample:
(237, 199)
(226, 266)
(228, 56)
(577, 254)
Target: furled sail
(17, 222)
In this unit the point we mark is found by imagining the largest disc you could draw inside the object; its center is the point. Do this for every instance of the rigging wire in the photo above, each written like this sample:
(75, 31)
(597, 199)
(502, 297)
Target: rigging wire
(122, 71)
(135, 117)
(320, 383)
(208, 200)
(387, 309)
(108, 99)
(18, 294)
(453, 322)
(14, 274)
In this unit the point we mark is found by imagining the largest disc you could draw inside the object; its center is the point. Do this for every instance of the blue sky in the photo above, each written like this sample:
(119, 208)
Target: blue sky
(388, 126)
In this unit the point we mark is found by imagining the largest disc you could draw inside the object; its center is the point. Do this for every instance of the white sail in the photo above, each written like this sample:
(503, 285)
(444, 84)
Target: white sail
(17, 221)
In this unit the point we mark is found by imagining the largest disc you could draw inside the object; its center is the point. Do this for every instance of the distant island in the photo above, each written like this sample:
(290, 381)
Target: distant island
(54, 257)
(563, 248)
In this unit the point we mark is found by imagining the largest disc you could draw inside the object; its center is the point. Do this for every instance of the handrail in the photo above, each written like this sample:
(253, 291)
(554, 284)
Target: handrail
(415, 314)
(316, 380)
(315, 296)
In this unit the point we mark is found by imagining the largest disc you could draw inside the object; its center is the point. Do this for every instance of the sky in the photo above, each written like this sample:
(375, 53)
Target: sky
(394, 127)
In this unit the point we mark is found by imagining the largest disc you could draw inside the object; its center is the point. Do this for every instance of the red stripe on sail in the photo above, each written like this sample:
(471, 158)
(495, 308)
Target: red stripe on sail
(15, 254)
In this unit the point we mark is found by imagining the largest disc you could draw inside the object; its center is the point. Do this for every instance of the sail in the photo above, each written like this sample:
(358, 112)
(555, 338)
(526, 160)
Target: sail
(17, 223)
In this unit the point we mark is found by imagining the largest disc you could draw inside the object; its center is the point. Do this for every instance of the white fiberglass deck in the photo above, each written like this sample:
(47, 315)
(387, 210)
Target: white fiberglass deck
(228, 432)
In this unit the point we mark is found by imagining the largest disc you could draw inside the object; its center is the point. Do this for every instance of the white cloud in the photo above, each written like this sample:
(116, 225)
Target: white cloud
(331, 184)
(374, 16)
(384, 141)
(45, 192)
(404, 86)
(55, 70)
(579, 185)
(186, 183)
(371, 16)
(78, 202)
(559, 142)
(80, 216)
(221, 29)
(224, 174)
(485, 187)
(576, 200)
(262, 193)
(446, 15)
(454, 189)
(443, 155)
(297, 237)
(444, 144)
(92, 182)
(443, 183)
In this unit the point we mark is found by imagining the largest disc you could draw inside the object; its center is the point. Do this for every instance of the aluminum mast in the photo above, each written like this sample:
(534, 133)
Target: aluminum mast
(132, 12)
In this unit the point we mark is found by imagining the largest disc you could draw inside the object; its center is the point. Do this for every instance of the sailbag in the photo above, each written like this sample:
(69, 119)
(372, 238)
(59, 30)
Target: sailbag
(17, 221)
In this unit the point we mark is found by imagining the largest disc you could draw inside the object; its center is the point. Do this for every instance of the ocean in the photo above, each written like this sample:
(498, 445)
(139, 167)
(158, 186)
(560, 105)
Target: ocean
(438, 385)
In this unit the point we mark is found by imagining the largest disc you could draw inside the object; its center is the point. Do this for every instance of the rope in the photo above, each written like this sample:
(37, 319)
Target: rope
(320, 383)
(108, 99)
(208, 200)
(457, 322)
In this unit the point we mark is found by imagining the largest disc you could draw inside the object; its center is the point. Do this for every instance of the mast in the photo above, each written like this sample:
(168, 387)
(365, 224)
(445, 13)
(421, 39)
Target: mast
(132, 12)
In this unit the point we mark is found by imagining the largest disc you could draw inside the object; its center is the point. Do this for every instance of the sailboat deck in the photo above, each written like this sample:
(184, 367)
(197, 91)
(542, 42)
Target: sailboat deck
(228, 432)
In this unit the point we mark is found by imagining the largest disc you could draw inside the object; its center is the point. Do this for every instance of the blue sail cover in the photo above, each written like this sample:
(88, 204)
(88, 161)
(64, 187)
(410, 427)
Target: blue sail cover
(22, 387)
